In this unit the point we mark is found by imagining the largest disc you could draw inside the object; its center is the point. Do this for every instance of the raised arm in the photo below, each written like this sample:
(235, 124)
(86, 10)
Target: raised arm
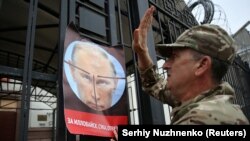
(140, 40)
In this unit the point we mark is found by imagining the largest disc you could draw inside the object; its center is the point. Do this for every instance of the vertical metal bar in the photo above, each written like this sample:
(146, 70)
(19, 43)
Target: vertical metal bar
(133, 110)
(160, 26)
(134, 20)
(72, 9)
(174, 28)
(26, 87)
(60, 123)
(170, 32)
(146, 104)
(129, 17)
(120, 22)
(112, 23)
(53, 125)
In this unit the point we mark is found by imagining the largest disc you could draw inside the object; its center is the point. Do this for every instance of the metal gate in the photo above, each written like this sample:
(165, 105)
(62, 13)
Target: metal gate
(111, 23)
(106, 22)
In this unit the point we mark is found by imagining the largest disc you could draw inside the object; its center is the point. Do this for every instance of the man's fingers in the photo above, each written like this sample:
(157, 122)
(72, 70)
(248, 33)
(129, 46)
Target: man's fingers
(140, 34)
(147, 19)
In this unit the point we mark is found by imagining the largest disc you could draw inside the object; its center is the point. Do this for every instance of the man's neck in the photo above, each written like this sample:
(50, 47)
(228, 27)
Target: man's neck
(198, 86)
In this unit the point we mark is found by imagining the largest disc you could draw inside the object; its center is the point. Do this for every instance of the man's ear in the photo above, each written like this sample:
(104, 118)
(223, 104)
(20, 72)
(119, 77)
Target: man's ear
(203, 65)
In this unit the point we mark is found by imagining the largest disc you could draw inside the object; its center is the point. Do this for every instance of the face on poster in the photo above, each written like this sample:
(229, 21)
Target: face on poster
(94, 75)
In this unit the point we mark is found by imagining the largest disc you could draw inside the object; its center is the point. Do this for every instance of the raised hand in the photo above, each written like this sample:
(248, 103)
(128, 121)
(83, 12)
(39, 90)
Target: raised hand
(140, 40)
(141, 33)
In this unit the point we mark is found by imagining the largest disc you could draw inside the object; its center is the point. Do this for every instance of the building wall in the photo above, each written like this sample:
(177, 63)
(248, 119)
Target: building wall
(41, 115)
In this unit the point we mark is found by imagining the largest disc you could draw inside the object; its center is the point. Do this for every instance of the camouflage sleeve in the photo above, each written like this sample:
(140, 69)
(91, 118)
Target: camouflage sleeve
(155, 85)
(207, 118)
(210, 113)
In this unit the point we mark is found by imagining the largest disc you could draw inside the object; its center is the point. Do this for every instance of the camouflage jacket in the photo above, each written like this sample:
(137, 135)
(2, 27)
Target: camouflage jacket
(214, 106)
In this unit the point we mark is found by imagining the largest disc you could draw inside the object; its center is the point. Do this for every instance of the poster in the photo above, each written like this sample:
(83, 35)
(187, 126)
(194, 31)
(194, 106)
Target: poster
(94, 86)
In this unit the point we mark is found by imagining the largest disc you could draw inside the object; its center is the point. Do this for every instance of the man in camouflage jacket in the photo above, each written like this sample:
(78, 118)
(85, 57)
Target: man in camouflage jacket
(195, 65)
